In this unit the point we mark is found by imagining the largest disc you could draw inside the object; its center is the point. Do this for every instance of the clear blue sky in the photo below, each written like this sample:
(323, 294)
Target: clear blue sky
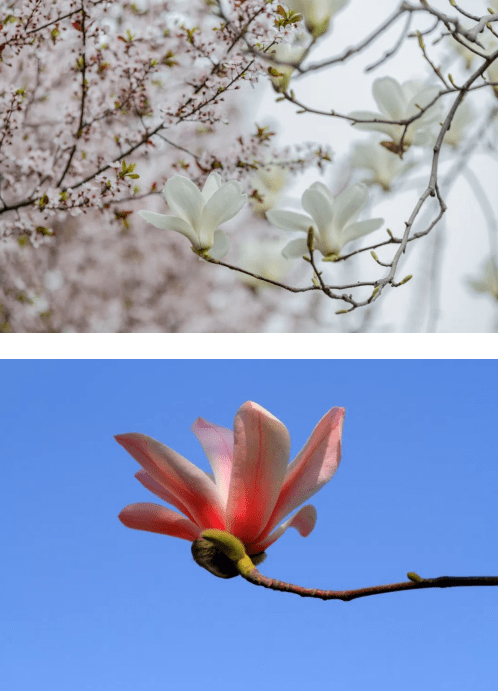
(89, 605)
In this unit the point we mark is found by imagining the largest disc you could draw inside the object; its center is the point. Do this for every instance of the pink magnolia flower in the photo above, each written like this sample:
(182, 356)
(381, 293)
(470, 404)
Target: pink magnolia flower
(252, 487)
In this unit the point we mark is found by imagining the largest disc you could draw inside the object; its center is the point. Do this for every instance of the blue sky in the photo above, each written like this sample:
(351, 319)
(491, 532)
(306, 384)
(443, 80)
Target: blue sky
(89, 605)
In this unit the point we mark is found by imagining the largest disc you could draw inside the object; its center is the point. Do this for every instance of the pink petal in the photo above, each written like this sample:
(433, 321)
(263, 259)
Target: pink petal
(303, 521)
(261, 453)
(149, 483)
(217, 443)
(158, 519)
(182, 478)
(312, 468)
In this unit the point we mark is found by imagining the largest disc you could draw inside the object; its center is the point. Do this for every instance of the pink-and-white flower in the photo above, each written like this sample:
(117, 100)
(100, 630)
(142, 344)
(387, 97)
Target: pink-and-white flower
(252, 488)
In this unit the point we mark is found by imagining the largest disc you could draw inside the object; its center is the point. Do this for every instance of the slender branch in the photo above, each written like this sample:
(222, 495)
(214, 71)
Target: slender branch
(84, 88)
(418, 583)
(224, 543)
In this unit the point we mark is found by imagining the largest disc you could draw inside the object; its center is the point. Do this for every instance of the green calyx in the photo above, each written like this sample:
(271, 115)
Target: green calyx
(223, 554)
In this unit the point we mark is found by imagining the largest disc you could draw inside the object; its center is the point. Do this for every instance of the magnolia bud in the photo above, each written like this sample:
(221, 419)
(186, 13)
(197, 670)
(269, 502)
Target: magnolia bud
(210, 557)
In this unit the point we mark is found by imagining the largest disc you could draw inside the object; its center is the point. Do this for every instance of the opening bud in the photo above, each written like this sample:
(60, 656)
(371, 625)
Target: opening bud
(218, 552)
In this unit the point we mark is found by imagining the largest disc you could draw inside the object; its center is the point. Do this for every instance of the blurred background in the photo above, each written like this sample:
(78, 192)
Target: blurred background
(90, 605)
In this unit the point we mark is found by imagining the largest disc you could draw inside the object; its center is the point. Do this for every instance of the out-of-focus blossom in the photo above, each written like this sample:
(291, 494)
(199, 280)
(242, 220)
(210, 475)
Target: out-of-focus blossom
(265, 259)
(492, 72)
(468, 55)
(376, 158)
(333, 220)
(53, 280)
(488, 283)
(38, 303)
(286, 52)
(400, 102)
(485, 38)
(198, 214)
(317, 13)
(268, 182)
(462, 118)
(252, 487)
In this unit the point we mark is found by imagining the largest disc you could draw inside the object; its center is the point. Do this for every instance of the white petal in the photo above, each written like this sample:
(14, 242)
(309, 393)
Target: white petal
(389, 97)
(348, 205)
(289, 220)
(213, 183)
(393, 131)
(184, 199)
(225, 203)
(361, 228)
(171, 223)
(295, 248)
(421, 98)
(220, 245)
(319, 207)
(322, 188)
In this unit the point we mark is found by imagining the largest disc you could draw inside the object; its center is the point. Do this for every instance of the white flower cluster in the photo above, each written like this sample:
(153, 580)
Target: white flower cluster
(198, 214)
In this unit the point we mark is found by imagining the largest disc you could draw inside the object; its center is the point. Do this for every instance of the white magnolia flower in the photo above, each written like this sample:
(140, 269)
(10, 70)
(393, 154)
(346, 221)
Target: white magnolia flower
(269, 182)
(485, 39)
(491, 47)
(489, 281)
(400, 102)
(333, 220)
(462, 118)
(379, 160)
(265, 259)
(198, 214)
(317, 13)
(280, 74)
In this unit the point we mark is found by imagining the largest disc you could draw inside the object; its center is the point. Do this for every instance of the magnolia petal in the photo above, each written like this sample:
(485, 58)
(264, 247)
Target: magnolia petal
(182, 478)
(389, 96)
(220, 246)
(217, 443)
(158, 519)
(391, 130)
(260, 456)
(324, 189)
(171, 223)
(424, 137)
(422, 97)
(149, 483)
(312, 468)
(212, 184)
(361, 228)
(295, 248)
(303, 521)
(319, 207)
(223, 205)
(349, 204)
(184, 199)
(289, 220)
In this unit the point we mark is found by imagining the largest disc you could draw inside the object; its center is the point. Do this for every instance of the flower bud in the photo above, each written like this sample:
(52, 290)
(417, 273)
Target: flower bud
(212, 558)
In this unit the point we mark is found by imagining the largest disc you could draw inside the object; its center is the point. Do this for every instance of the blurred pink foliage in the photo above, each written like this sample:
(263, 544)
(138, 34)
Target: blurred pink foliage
(100, 103)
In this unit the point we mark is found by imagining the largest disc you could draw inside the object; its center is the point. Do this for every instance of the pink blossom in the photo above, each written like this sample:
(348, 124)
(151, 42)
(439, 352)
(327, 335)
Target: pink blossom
(252, 487)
